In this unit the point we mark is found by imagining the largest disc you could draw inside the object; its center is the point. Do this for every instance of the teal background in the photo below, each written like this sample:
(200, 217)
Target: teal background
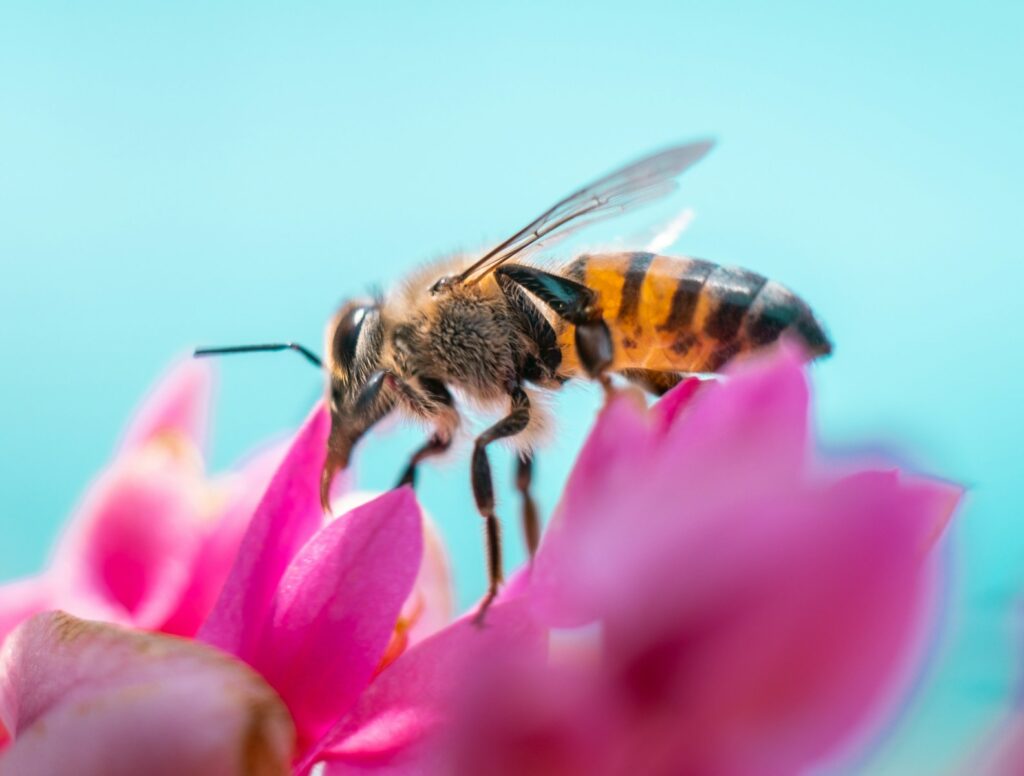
(177, 174)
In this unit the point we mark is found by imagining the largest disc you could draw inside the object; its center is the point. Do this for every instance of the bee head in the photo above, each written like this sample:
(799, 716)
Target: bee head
(355, 340)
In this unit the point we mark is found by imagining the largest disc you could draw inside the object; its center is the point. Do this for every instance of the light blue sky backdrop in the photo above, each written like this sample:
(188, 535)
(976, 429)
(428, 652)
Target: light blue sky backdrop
(174, 174)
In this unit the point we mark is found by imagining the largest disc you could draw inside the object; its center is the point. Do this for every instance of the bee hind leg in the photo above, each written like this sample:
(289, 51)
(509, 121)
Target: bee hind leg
(483, 490)
(531, 523)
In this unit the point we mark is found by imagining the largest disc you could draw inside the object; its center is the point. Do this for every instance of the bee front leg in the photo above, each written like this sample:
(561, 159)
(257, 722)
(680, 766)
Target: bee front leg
(483, 489)
(442, 408)
(436, 445)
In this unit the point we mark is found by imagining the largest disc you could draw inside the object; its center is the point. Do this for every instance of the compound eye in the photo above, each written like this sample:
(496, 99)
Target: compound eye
(346, 335)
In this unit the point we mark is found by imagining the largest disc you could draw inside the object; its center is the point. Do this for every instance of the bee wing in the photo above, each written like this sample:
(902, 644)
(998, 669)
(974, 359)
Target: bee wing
(628, 187)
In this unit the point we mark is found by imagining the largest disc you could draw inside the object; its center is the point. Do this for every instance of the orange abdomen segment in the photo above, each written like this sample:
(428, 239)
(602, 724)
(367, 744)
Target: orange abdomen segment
(673, 314)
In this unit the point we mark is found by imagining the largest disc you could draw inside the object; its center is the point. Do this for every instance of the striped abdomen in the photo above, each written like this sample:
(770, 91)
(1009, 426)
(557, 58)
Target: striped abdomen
(686, 315)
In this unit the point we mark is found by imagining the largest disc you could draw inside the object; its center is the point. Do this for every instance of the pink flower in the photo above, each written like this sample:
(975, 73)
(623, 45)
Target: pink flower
(758, 612)
(93, 699)
(153, 539)
(750, 610)
(313, 608)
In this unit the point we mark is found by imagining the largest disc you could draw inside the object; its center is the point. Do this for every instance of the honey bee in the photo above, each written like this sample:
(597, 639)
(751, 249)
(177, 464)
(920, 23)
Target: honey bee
(497, 329)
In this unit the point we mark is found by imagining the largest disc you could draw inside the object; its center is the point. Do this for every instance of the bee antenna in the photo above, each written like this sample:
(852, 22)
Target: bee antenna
(309, 355)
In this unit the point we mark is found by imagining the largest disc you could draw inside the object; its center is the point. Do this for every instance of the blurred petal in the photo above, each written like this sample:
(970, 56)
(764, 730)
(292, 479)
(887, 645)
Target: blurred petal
(431, 604)
(670, 406)
(619, 447)
(337, 607)
(775, 616)
(179, 405)
(751, 429)
(218, 548)
(127, 552)
(755, 421)
(20, 599)
(287, 516)
(394, 726)
(791, 634)
(94, 699)
(531, 718)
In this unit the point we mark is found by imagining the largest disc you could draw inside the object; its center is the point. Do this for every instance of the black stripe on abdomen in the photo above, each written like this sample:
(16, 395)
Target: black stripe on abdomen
(687, 294)
(629, 303)
(770, 315)
(732, 291)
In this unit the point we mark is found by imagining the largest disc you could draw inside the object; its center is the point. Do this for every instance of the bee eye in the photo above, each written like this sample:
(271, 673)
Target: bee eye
(346, 335)
(336, 397)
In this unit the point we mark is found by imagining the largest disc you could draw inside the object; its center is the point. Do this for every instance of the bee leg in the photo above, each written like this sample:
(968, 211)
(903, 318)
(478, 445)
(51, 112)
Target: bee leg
(652, 381)
(441, 407)
(436, 445)
(483, 490)
(531, 523)
(576, 304)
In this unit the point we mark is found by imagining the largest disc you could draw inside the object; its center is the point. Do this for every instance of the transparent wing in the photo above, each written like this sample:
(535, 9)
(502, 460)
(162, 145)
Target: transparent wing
(635, 184)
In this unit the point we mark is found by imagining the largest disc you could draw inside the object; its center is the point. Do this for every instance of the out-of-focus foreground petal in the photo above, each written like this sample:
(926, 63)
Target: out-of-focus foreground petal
(238, 494)
(178, 406)
(336, 609)
(152, 540)
(20, 599)
(97, 700)
(400, 723)
(788, 638)
(431, 604)
(646, 490)
(127, 553)
(755, 617)
(287, 516)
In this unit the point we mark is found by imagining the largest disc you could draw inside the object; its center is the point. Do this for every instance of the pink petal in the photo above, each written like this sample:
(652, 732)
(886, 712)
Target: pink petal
(127, 552)
(618, 450)
(737, 442)
(755, 422)
(288, 514)
(179, 405)
(431, 604)
(532, 718)
(96, 700)
(670, 406)
(20, 599)
(337, 607)
(397, 725)
(790, 634)
(216, 554)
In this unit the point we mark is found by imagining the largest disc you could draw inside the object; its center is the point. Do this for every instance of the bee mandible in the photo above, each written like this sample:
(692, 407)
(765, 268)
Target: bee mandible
(499, 328)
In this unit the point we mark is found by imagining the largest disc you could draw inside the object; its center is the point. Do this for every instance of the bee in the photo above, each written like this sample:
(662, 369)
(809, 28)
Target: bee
(497, 330)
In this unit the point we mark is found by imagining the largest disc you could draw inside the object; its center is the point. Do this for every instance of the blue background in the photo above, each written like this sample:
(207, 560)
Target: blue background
(176, 174)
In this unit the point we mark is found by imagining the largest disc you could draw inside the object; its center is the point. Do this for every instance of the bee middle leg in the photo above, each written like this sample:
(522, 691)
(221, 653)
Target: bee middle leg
(483, 489)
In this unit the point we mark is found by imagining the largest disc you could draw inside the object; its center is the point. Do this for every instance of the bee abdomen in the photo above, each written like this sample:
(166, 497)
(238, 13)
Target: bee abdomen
(688, 315)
